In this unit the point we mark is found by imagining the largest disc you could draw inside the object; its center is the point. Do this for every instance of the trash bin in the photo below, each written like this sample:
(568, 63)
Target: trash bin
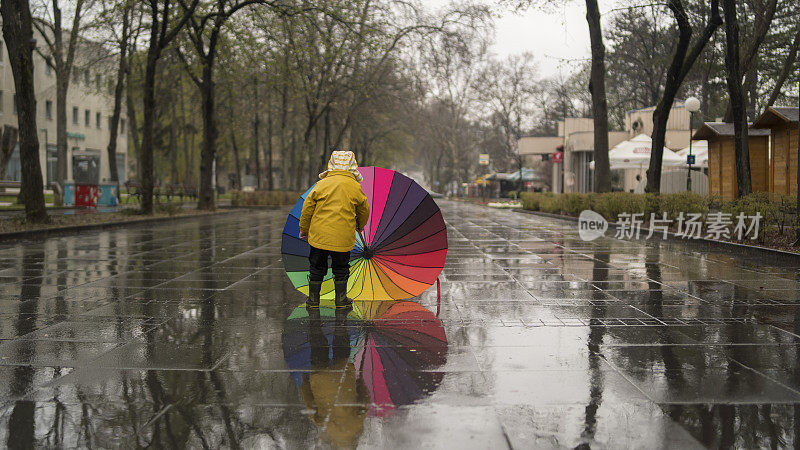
(108, 194)
(69, 193)
(86, 195)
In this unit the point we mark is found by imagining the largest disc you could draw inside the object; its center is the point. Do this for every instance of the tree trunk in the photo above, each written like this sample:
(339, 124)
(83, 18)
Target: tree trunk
(133, 127)
(119, 88)
(207, 95)
(597, 87)
(326, 140)
(62, 84)
(149, 105)
(173, 147)
(750, 89)
(18, 35)
(739, 114)
(187, 166)
(309, 151)
(255, 133)
(236, 161)
(270, 185)
(295, 164)
(284, 151)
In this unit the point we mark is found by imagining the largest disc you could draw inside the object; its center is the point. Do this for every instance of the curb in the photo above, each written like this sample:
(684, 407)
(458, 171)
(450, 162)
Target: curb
(46, 232)
(735, 246)
(256, 207)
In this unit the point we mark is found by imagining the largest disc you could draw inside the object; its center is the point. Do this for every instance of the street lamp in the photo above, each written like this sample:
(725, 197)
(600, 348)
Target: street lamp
(692, 104)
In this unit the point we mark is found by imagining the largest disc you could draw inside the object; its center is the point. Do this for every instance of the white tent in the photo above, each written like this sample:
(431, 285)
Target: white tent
(700, 152)
(635, 154)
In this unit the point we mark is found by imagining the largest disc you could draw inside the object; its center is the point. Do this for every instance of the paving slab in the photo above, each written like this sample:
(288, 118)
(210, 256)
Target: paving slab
(188, 334)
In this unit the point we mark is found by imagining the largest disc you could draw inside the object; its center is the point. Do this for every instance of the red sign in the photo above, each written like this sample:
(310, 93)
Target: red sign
(558, 157)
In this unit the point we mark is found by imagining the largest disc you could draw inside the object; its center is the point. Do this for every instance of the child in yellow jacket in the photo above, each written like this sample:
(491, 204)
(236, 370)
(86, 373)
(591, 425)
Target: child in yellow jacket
(332, 212)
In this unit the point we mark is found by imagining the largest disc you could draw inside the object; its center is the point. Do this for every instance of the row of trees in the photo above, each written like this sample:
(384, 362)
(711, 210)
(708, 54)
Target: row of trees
(268, 88)
(645, 55)
(737, 56)
(263, 89)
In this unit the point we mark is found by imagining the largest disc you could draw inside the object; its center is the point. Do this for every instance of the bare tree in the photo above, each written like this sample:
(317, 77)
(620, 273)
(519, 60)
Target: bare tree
(61, 57)
(165, 24)
(124, 12)
(682, 61)
(204, 29)
(737, 102)
(597, 86)
(508, 88)
(18, 34)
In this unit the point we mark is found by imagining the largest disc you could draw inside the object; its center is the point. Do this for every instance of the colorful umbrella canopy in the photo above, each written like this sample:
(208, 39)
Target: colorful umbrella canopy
(394, 350)
(405, 248)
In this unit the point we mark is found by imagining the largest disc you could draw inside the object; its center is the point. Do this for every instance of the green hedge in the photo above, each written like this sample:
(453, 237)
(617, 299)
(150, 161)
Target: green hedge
(777, 210)
(264, 198)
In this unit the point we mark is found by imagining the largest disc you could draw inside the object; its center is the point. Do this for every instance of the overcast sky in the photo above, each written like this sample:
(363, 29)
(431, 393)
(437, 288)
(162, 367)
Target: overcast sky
(557, 39)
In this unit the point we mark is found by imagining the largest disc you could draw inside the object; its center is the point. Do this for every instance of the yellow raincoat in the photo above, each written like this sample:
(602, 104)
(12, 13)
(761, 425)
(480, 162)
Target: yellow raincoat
(336, 207)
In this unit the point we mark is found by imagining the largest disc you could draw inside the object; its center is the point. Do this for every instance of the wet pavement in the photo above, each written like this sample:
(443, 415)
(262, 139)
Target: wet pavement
(188, 334)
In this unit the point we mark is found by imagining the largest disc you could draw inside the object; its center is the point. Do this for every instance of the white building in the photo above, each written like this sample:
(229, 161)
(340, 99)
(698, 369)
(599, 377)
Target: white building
(576, 139)
(90, 103)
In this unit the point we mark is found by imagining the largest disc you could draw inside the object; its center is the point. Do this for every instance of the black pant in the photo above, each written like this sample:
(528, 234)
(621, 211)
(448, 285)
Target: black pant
(318, 262)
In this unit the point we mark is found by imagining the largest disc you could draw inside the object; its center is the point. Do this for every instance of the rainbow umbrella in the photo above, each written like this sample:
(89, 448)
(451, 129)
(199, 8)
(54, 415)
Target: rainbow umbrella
(394, 351)
(402, 250)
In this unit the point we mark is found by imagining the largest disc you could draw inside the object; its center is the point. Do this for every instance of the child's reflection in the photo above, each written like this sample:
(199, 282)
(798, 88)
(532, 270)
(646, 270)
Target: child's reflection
(332, 390)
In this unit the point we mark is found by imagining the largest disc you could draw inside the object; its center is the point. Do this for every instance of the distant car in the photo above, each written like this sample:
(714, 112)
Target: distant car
(436, 194)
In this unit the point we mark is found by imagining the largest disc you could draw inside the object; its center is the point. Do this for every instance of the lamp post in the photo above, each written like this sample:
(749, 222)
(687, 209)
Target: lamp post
(692, 104)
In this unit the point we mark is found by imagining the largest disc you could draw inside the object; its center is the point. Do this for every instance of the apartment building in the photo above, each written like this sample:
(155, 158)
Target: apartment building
(90, 104)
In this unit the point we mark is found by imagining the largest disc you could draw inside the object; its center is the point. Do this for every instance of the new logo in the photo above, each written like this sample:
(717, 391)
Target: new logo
(591, 225)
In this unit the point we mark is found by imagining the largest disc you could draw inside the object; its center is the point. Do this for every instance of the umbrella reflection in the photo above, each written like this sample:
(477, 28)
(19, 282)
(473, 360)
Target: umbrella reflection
(362, 363)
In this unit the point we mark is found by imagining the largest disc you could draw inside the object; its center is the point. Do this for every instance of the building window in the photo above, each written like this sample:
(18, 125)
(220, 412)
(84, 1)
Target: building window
(122, 126)
(48, 110)
(75, 115)
(97, 120)
(15, 103)
(98, 80)
(86, 117)
(86, 76)
(52, 163)
(76, 75)
(48, 69)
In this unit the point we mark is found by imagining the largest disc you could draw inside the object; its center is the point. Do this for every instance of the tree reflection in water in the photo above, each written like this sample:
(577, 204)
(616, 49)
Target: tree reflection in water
(597, 331)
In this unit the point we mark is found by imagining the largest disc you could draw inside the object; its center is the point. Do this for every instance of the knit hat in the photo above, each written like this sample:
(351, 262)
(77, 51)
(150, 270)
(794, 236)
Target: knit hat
(343, 160)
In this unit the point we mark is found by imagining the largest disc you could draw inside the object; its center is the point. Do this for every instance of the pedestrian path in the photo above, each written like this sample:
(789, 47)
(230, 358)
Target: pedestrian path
(189, 334)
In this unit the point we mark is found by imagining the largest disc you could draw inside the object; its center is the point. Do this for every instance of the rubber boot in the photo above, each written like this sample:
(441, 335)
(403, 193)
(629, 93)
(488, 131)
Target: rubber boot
(342, 301)
(314, 287)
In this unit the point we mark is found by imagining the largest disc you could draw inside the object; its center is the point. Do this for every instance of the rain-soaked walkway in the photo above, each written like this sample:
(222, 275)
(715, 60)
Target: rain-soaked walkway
(188, 335)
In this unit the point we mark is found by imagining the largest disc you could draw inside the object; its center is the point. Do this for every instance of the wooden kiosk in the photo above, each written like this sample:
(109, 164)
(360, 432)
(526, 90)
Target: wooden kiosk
(782, 123)
(722, 159)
